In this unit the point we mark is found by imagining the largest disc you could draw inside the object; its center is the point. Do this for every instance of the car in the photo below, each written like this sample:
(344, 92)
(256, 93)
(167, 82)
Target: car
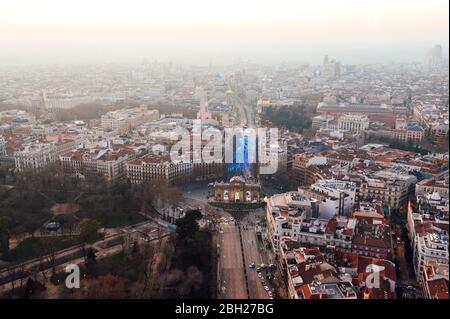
(266, 288)
(263, 266)
(53, 226)
(252, 265)
(258, 269)
(260, 276)
(263, 282)
(270, 294)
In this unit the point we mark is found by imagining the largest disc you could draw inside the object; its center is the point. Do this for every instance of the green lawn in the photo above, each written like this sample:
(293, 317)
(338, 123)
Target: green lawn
(113, 219)
(34, 247)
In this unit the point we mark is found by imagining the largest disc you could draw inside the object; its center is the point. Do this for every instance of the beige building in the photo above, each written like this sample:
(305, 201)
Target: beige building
(127, 119)
(238, 190)
(158, 168)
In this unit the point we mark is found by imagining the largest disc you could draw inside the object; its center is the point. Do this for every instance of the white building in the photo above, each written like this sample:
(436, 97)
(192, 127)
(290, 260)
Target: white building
(288, 216)
(353, 122)
(2, 146)
(285, 213)
(429, 240)
(35, 156)
(430, 247)
(340, 197)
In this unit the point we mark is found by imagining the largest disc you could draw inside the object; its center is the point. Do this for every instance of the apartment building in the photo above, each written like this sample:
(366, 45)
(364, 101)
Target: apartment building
(433, 185)
(289, 216)
(35, 156)
(152, 167)
(435, 280)
(429, 240)
(393, 190)
(107, 162)
(310, 276)
(306, 168)
(340, 197)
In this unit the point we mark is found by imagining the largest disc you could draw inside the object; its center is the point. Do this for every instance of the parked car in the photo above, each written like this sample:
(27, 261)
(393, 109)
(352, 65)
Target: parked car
(54, 226)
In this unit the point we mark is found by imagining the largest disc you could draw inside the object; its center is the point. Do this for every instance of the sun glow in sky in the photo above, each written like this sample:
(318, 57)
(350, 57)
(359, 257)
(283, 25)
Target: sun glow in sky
(182, 29)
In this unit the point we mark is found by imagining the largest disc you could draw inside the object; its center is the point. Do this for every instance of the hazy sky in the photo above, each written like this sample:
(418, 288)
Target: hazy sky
(220, 31)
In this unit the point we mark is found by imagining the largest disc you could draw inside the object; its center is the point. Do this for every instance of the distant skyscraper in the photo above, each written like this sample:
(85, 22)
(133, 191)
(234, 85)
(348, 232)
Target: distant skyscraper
(204, 113)
(435, 58)
(330, 68)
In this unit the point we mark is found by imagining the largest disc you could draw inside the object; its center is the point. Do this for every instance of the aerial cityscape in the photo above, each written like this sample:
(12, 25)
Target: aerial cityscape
(137, 162)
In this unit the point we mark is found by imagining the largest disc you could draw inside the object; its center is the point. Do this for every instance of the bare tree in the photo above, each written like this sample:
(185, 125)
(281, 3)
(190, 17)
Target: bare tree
(49, 248)
(147, 258)
(107, 287)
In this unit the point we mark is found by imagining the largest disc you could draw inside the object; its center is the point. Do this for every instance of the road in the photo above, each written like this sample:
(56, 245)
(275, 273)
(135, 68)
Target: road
(252, 253)
(231, 265)
(233, 261)
(231, 269)
(147, 230)
(245, 111)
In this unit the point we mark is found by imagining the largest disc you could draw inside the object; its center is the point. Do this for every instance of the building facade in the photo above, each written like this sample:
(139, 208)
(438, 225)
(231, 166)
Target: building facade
(353, 122)
(237, 190)
(152, 167)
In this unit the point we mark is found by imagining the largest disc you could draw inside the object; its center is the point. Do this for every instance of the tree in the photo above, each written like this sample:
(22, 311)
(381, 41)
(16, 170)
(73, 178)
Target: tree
(188, 225)
(89, 234)
(49, 247)
(107, 287)
(89, 230)
(294, 118)
(4, 236)
(146, 259)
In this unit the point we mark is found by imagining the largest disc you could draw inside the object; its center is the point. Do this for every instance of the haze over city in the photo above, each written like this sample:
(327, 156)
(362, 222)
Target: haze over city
(204, 32)
(224, 155)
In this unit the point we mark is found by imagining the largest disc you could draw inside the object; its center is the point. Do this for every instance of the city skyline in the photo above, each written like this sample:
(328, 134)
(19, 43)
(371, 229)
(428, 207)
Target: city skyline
(225, 155)
(200, 32)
